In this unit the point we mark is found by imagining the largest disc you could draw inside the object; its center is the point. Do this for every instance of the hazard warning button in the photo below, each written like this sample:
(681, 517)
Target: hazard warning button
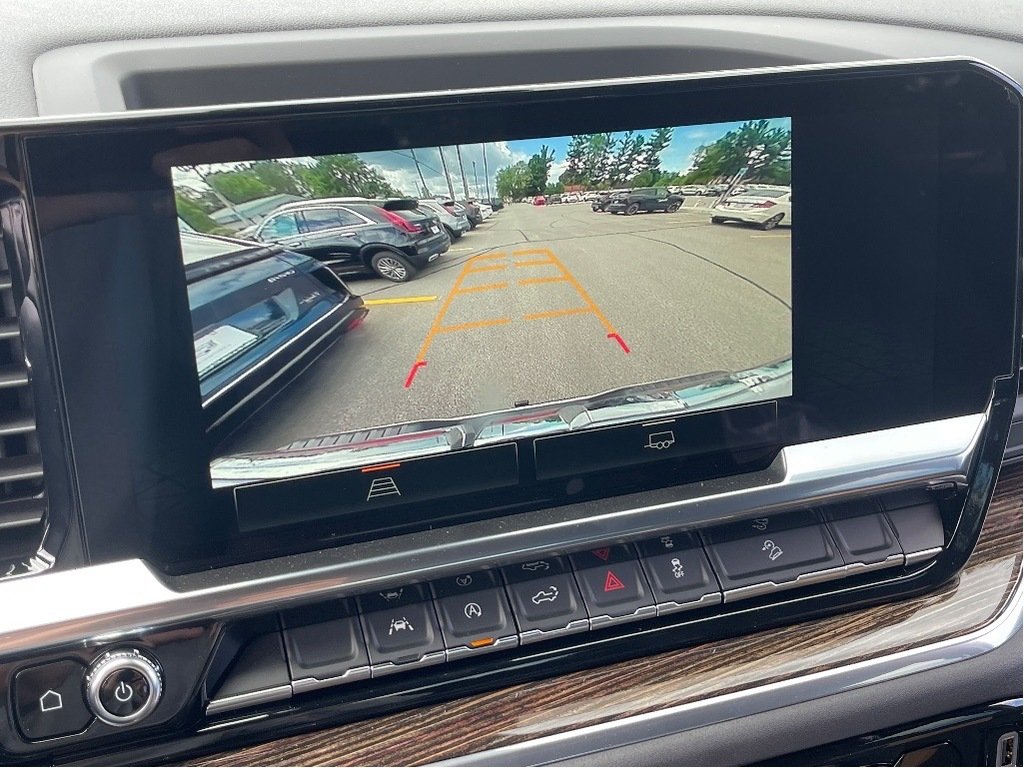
(615, 591)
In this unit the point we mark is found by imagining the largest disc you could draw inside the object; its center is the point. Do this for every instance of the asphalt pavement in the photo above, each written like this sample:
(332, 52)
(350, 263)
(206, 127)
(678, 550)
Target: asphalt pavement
(544, 303)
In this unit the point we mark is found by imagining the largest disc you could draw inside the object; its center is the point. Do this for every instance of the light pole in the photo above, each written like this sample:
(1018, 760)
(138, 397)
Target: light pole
(476, 181)
(487, 180)
(447, 178)
(423, 181)
(462, 170)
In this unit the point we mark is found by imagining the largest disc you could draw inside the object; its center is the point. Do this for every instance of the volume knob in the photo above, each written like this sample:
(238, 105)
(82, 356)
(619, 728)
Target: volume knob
(123, 687)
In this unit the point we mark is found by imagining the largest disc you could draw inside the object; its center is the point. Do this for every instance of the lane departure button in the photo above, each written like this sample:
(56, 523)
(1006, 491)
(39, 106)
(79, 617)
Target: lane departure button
(405, 634)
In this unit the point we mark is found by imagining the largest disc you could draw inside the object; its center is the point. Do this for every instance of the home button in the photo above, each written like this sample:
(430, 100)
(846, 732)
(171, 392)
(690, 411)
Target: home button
(49, 702)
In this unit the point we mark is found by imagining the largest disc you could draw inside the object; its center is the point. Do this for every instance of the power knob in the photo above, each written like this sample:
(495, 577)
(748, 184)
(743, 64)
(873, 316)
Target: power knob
(123, 687)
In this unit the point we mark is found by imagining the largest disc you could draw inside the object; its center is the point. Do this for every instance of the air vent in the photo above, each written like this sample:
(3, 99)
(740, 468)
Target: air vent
(22, 495)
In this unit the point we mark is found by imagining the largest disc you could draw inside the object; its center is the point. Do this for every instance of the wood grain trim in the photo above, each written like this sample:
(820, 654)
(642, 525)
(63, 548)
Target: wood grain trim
(594, 696)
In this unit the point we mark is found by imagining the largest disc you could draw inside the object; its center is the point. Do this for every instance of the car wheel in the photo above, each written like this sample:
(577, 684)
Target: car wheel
(717, 220)
(632, 208)
(673, 207)
(392, 267)
(773, 222)
(452, 234)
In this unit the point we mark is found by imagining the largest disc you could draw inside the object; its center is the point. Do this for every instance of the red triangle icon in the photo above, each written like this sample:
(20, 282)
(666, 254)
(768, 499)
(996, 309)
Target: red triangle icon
(612, 582)
(603, 553)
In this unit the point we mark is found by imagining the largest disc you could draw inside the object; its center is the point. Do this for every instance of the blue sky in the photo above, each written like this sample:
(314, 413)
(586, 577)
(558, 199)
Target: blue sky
(399, 169)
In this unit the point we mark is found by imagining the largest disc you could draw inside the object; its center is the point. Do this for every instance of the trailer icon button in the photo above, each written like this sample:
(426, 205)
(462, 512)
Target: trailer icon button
(659, 441)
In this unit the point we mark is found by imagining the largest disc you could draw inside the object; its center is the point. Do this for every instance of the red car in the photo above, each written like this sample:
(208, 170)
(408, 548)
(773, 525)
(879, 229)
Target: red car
(539, 200)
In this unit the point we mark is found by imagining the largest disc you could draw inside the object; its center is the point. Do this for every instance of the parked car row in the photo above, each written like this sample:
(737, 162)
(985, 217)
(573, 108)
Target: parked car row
(393, 239)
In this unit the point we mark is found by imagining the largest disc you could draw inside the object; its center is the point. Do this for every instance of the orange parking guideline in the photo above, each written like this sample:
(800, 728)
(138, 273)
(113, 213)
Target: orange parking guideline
(541, 280)
(436, 326)
(558, 313)
(608, 327)
(473, 324)
(473, 265)
(487, 268)
(484, 287)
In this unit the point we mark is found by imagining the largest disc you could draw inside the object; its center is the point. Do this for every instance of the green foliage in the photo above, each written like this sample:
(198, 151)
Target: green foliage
(656, 143)
(239, 186)
(627, 160)
(341, 176)
(598, 159)
(763, 151)
(554, 188)
(539, 166)
(195, 216)
(514, 181)
(277, 176)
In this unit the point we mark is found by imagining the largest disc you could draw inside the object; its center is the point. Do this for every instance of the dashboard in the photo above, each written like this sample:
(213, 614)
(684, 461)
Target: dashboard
(465, 392)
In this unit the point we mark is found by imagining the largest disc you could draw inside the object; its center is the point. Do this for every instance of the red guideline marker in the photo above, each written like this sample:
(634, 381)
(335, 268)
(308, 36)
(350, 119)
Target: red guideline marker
(413, 371)
(616, 337)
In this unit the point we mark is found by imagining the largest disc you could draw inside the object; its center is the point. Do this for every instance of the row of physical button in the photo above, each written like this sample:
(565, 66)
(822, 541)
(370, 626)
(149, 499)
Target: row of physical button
(471, 613)
(418, 625)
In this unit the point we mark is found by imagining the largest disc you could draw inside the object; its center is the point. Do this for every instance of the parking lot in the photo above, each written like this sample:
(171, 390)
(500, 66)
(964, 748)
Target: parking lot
(542, 303)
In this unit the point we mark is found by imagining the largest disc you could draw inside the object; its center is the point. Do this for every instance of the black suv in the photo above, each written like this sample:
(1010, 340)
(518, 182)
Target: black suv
(392, 239)
(645, 199)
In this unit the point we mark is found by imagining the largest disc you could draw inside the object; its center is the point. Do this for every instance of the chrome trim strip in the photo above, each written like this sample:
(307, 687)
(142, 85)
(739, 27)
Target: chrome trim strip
(251, 699)
(671, 720)
(120, 599)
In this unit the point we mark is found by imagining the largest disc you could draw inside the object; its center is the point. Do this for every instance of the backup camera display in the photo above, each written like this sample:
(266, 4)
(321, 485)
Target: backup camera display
(359, 308)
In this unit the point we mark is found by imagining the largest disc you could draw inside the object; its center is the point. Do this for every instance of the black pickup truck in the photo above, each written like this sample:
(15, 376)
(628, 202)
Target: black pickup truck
(645, 199)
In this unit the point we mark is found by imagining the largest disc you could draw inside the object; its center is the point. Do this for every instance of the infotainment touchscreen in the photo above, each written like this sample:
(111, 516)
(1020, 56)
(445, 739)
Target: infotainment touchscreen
(362, 307)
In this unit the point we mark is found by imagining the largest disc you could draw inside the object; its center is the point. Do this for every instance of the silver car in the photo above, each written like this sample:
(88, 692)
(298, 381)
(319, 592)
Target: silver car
(456, 224)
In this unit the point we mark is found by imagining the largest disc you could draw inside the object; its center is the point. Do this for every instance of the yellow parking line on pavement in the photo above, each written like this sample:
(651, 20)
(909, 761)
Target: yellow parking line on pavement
(400, 300)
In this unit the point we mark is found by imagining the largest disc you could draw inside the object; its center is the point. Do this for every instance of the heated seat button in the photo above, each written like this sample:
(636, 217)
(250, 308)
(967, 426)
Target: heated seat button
(775, 560)
(679, 573)
(49, 700)
(405, 634)
(474, 612)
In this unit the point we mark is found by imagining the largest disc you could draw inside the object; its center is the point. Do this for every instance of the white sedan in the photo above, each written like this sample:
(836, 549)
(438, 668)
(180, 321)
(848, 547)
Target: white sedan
(766, 207)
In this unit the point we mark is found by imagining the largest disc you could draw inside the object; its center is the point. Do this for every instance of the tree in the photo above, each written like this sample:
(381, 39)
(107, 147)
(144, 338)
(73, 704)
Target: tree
(342, 176)
(239, 186)
(575, 160)
(656, 143)
(540, 166)
(514, 181)
(554, 188)
(277, 176)
(626, 163)
(763, 151)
